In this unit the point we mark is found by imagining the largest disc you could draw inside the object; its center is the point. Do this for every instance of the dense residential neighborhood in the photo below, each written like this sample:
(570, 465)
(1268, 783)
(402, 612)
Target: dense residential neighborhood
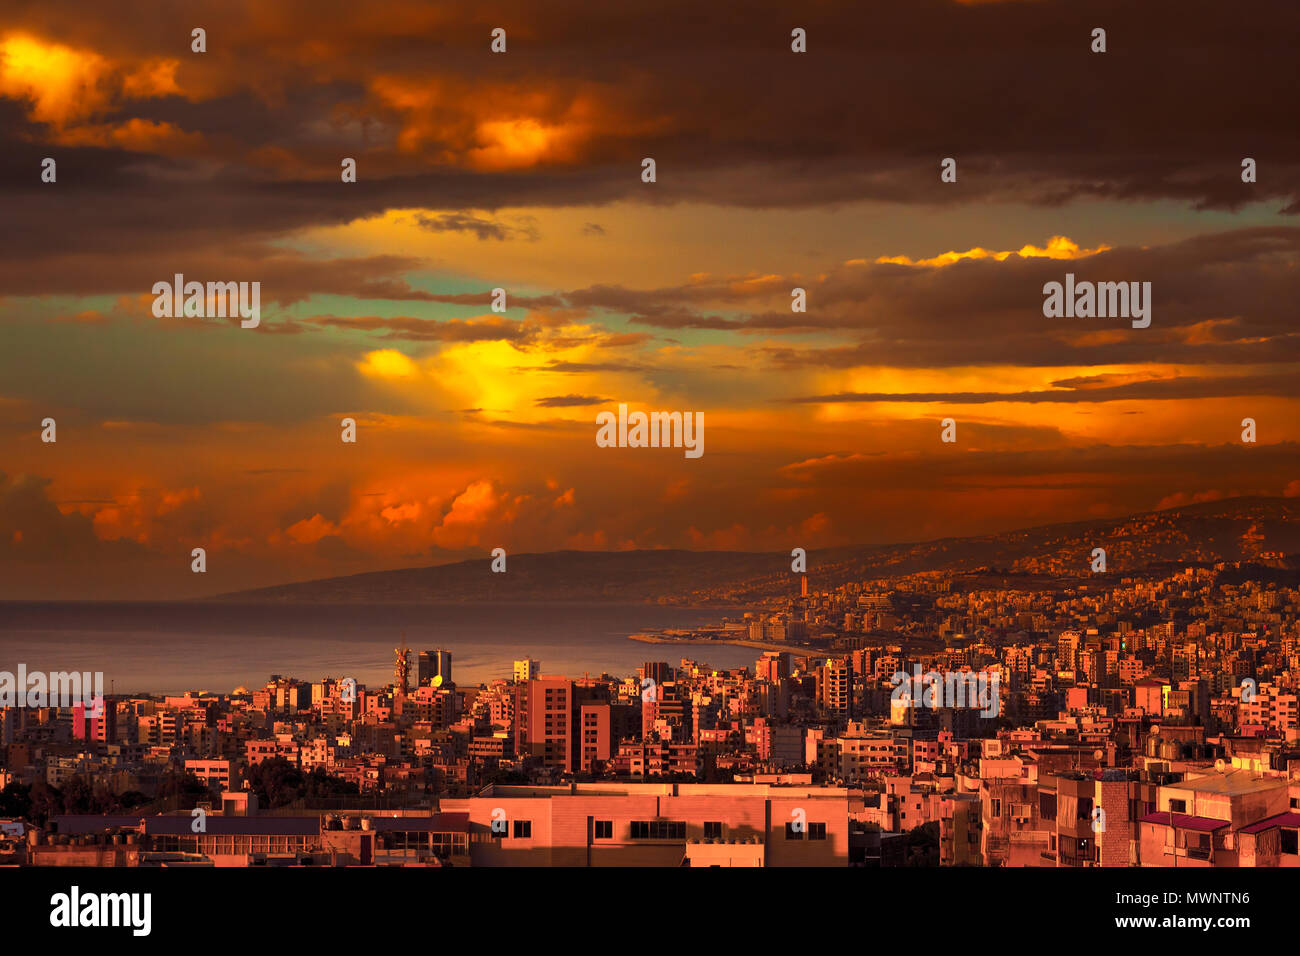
(1110, 721)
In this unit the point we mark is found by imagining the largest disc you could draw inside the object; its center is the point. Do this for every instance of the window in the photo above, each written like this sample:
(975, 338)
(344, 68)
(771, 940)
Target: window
(713, 831)
(658, 830)
(523, 829)
(1085, 808)
(1289, 841)
(817, 831)
(604, 829)
(1177, 806)
(791, 833)
(995, 806)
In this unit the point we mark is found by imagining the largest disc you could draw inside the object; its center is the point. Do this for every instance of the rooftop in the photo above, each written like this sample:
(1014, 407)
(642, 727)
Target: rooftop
(1233, 782)
(234, 826)
(1183, 821)
(665, 790)
(1288, 819)
(437, 823)
(80, 824)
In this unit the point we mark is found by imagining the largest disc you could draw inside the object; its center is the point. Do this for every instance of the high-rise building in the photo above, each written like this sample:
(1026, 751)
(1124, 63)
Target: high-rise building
(435, 664)
(1184, 661)
(602, 726)
(666, 715)
(1067, 649)
(97, 722)
(527, 669)
(835, 687)
(773, 667)
(544, 721)
(658, 671)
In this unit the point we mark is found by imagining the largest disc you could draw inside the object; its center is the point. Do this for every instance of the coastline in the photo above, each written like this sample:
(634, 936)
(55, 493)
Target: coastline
(734, 642)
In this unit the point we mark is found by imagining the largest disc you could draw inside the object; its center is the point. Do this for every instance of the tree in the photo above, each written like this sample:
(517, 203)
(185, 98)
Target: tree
(923, 845)
(16, 800)
(76, 796)
(184, 788)
(278, 783)
(46, 801)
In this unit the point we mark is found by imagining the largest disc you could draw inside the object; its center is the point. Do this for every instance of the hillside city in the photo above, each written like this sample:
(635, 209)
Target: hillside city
(1111, 720)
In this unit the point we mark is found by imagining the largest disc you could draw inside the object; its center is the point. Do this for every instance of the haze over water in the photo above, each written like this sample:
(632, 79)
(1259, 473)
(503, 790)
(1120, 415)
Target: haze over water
(174, 647)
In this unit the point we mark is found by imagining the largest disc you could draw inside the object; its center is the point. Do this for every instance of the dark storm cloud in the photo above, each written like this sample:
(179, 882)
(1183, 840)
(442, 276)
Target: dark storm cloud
(1011, 90)
(1228, 298)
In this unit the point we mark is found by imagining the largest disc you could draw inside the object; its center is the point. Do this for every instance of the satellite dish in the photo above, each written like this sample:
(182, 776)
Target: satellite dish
(1219, 765)
(1099, 754)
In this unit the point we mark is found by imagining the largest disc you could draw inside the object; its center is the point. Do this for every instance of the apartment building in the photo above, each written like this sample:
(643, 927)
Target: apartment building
(657, 825)
(1198, 822)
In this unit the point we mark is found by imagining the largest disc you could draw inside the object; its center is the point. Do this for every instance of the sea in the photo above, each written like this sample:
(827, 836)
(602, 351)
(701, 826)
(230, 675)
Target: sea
(173, 647)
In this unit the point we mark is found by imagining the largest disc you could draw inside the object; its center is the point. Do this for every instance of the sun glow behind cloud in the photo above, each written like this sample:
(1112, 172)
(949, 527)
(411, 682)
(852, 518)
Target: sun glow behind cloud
(69, 89)
(1058, 247)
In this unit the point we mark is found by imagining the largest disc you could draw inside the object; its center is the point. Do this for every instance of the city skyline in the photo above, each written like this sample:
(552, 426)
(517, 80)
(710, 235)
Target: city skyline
(929, 719)
(846, 436)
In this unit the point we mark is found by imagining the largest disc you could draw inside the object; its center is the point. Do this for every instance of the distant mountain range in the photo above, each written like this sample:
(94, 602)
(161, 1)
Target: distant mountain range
(1234, 529)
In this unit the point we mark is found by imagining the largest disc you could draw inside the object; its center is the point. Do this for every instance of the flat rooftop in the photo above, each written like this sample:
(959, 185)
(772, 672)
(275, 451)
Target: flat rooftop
(665, 790)
(1234, 782)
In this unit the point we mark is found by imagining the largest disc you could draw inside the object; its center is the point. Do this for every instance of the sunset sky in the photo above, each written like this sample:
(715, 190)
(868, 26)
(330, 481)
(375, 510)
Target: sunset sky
(522, 170)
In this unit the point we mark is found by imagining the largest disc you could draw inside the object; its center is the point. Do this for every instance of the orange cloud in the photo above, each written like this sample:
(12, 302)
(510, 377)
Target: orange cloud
(68, 87)
(63, 85)
(1058, 247)
(397, 514)
(470, 510)
(491, 127)
(311, 530)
